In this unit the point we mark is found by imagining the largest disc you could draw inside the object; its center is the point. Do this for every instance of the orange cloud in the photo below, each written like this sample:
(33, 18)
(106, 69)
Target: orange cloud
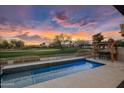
(53, 33)
(82, 35)
(112, 34)
(8, 33)
(50, 34)
(32, 43)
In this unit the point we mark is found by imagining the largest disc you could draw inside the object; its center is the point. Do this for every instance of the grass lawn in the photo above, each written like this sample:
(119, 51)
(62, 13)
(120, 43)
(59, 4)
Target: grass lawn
(37, 52)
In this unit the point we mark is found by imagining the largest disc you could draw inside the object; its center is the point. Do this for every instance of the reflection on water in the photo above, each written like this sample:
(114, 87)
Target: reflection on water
(34, 76)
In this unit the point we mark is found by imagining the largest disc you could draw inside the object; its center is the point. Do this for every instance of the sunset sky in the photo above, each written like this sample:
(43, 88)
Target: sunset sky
(36, 24)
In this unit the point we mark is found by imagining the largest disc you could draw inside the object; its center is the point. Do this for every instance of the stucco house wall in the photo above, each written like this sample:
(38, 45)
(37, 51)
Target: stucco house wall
(121, 54)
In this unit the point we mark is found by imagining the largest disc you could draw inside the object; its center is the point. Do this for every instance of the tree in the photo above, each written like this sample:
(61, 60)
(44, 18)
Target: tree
(57, 42)
(16, 43)
(19, 44)
(98, 37)
(120, 43)
(1, 42)
(68, 41)
(81, 43)
(5, 44)
(13, 43)
(61, 41)
(43, 45)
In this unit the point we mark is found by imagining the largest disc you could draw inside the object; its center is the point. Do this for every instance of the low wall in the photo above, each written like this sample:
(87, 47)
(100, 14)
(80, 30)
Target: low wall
(121, 54)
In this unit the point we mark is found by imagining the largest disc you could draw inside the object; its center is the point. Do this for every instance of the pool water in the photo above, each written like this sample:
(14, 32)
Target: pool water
(34, 76)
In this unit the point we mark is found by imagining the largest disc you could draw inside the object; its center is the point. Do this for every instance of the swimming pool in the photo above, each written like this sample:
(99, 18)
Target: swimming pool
(42, 74)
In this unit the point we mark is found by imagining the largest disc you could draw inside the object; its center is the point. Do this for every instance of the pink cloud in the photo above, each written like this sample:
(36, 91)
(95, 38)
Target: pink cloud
(65, 20)
(65, 23)
(62, 18)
